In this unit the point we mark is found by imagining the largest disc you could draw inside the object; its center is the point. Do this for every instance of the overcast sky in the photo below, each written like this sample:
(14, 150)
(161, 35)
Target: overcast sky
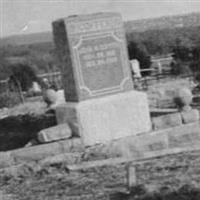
(28, 16)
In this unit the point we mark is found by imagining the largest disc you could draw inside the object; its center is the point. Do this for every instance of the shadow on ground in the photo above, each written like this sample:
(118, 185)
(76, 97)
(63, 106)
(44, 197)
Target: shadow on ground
(17, 131)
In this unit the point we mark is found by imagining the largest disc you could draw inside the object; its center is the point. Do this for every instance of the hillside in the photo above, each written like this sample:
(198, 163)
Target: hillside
(169, 22)
(33, 38)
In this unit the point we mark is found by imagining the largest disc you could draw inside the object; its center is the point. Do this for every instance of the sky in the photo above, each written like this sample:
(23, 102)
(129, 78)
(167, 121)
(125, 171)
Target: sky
(29, 16)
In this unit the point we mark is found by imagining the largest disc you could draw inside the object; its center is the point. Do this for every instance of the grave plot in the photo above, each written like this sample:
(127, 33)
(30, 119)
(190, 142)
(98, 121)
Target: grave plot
(105, 140)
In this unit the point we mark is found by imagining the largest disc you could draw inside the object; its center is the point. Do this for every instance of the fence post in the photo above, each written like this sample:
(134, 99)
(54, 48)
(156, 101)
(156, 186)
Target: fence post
(131, 176)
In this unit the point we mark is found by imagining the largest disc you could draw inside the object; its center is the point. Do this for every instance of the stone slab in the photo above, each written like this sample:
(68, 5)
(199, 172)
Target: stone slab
(67, 158)
(108, 118)
(93, 54)
(133, 160)
(59, 132)
(190, 116)
(72, 145)
(166, 121)
(37, 152)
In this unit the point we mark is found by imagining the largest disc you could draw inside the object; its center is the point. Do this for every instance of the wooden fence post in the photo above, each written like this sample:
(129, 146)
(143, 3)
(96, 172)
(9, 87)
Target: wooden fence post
(131, 176)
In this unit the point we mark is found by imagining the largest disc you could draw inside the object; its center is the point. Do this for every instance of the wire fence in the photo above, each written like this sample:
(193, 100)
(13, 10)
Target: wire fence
(145, 82)
(53, 78)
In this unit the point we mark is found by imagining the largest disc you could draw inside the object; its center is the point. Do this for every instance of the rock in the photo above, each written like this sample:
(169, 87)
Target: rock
(55, 133)
(183, 99)
(190, 116)
(166, 121)
(60, 99)
(50, 96)
(31, 143)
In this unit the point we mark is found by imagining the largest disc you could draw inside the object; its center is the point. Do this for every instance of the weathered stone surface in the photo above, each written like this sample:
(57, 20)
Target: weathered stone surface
(151, 142)
(183, 99)
(60, 99)
(190, 116)
(185, 135)
(59, 132)
(50, 96)
(157, 143)
(108, 118)
(166, 121)
(72, 145)
(37, 152)
(6, 159)
(93, 55)
(67, 158)
(67, 113)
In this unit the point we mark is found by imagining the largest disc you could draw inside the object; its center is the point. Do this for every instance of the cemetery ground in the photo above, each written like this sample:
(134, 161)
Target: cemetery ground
(174, 177)
(169, 178)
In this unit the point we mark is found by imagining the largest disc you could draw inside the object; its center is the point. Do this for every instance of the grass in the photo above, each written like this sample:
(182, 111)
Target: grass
(175, 177)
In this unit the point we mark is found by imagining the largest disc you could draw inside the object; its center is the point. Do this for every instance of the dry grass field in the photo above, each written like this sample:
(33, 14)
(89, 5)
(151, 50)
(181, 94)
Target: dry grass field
(175, 177)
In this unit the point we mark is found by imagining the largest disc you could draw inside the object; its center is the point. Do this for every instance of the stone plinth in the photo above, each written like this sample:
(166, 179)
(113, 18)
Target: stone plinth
(93, 54)
(105, 119)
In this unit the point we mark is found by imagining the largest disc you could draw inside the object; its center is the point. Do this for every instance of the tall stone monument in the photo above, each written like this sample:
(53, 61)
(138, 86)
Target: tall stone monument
(100, 102)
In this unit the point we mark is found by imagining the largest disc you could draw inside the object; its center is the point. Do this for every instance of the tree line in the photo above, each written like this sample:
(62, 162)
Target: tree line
(183, 42)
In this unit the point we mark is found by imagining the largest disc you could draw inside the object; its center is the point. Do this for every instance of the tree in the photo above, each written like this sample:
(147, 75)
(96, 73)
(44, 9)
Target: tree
(23, 75)
(140, 53)
(4, 72)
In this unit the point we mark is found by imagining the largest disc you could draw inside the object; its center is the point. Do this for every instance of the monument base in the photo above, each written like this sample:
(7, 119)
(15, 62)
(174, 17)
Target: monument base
(104, 119)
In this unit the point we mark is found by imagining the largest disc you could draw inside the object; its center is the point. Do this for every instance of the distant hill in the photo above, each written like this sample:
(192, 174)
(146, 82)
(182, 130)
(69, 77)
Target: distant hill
(43, 37)
(169, 22)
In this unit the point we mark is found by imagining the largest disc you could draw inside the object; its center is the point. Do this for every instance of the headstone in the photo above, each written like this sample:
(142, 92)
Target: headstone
(135, 67)
(36, 87)
(100, 103)
(93, 53)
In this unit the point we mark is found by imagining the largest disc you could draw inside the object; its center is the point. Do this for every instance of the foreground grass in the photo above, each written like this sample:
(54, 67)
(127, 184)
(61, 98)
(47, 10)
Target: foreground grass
(174, 177)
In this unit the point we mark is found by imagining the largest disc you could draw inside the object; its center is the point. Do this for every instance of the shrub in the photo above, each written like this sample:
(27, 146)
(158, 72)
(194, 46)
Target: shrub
(9, 99)
(22, 74)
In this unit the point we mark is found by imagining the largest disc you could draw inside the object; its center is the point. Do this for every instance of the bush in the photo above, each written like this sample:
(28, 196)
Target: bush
(22, 74)
(178, 68)
(9, 99)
